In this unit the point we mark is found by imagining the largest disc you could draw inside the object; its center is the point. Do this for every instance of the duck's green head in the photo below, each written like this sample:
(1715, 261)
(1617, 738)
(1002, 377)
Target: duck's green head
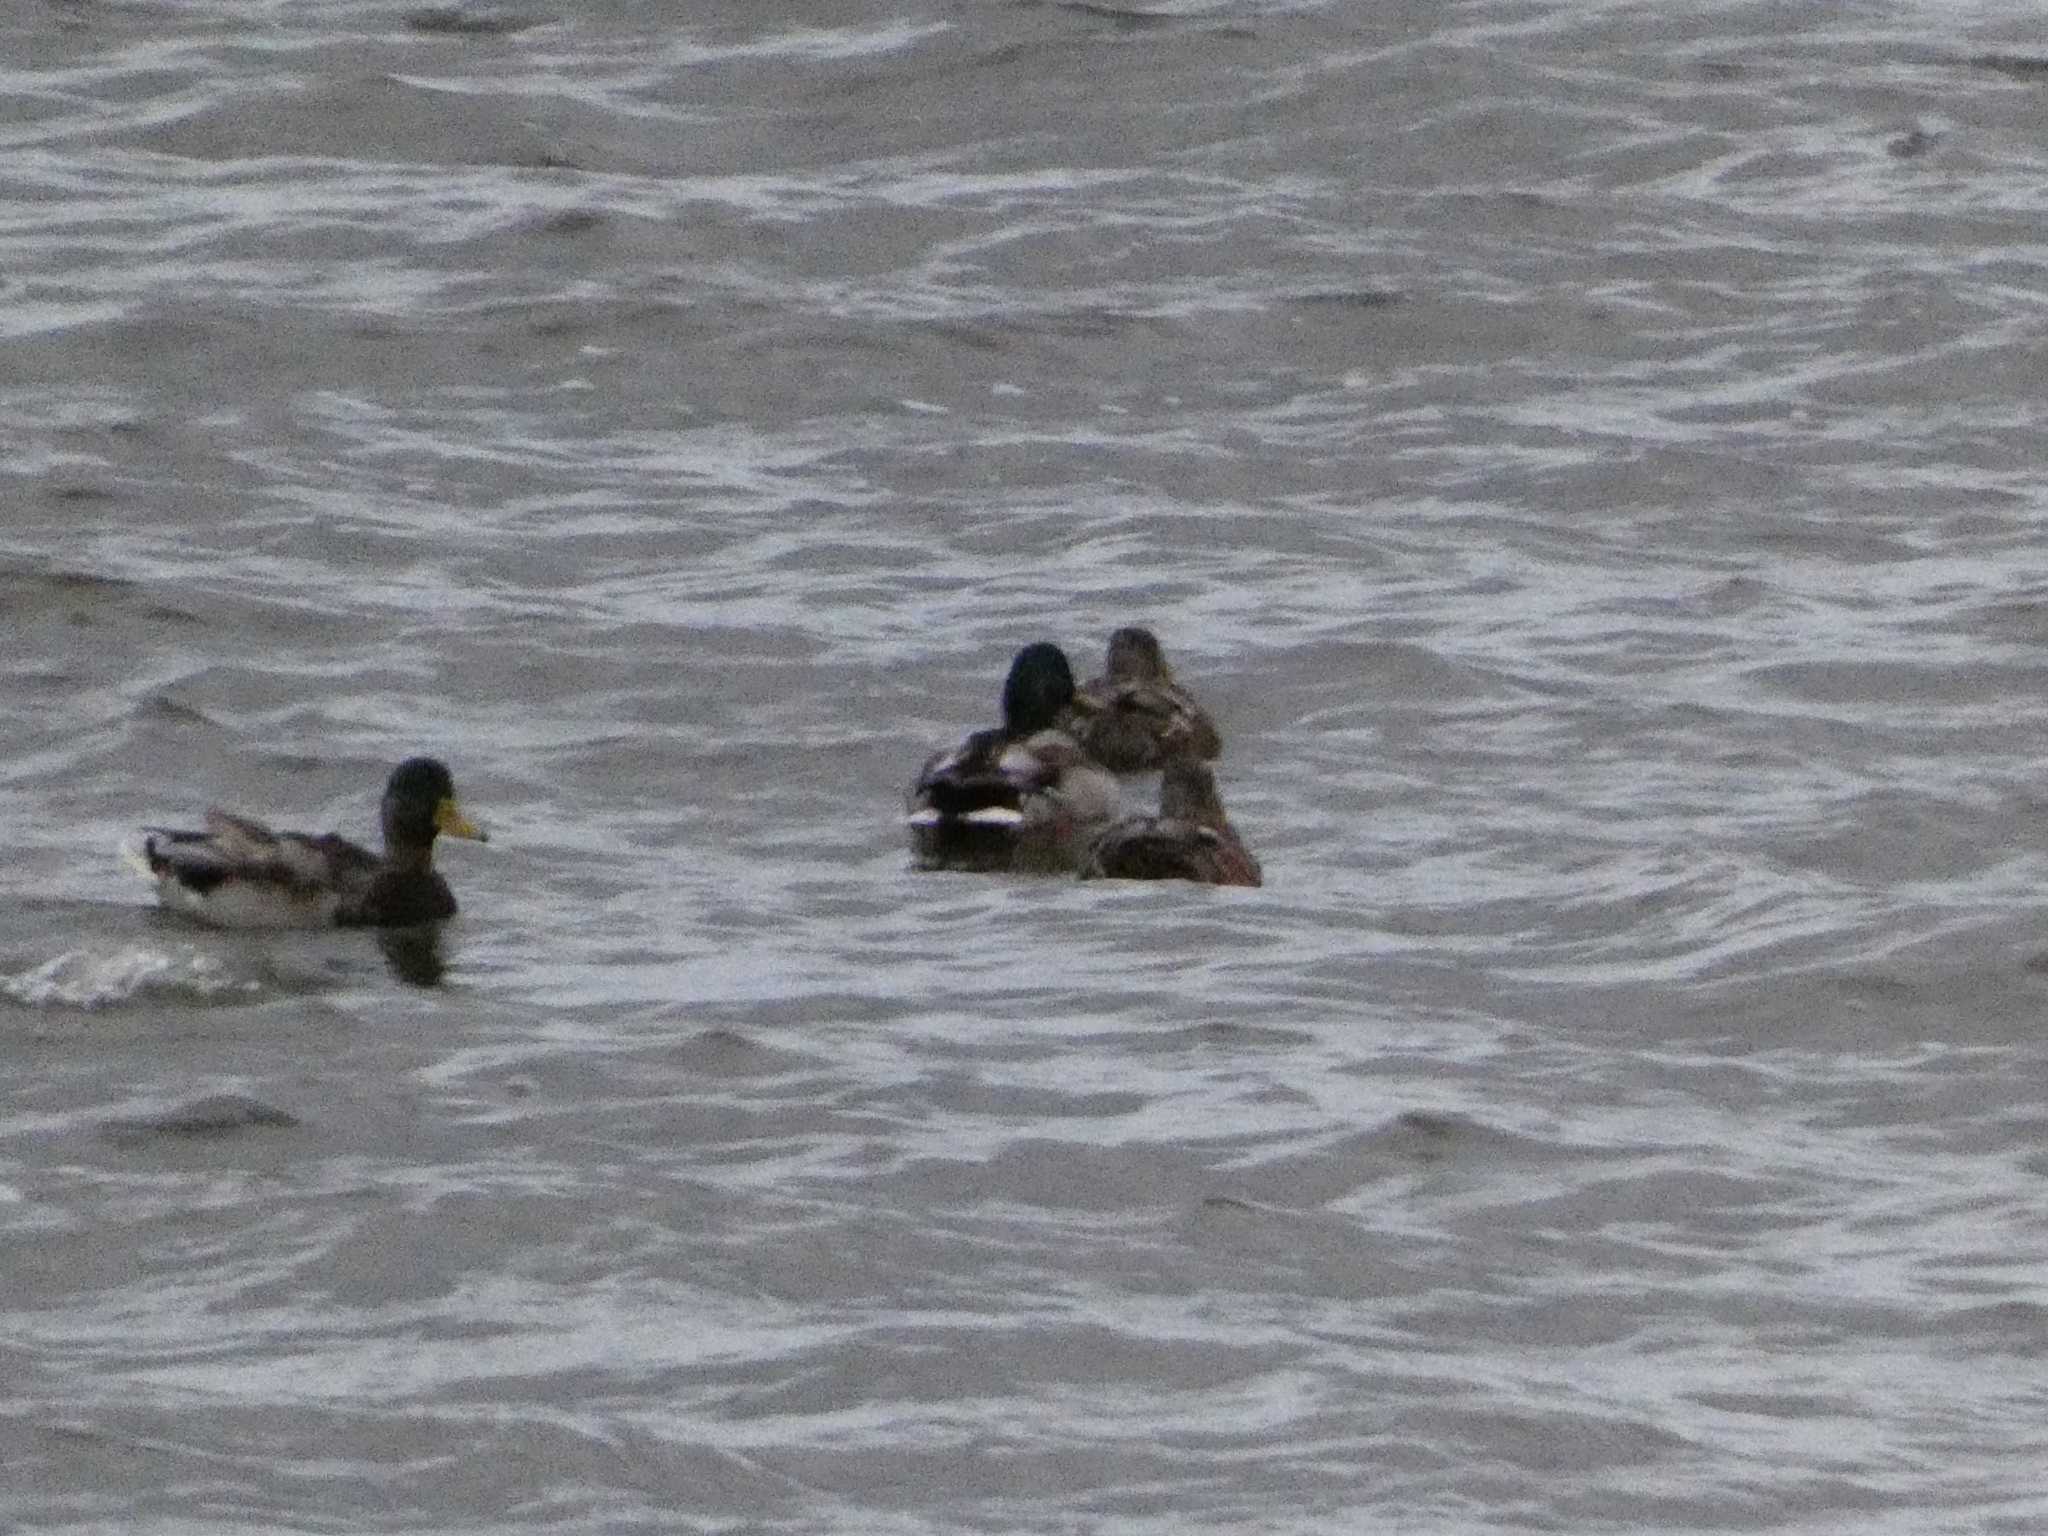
(1039, 686)
(419, 802)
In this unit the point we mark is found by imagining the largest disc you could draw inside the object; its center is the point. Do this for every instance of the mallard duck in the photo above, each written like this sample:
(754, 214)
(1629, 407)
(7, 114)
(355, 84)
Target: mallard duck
(1190, 838)
(1135, 717)
(1019, 796)
(239, 873)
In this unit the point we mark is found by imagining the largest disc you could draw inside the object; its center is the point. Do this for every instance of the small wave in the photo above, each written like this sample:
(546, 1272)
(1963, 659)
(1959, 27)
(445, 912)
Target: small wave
(223, 1114)
(102, 978)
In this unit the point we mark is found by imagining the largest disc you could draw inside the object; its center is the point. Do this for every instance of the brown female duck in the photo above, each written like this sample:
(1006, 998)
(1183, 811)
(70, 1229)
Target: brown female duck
(1135, 717)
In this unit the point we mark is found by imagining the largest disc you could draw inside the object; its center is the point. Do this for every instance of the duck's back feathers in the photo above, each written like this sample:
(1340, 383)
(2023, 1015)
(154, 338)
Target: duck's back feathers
(238, 873)
(1156, 848)
(1137, 727)
(1190, 839)
(969, 783)
(1136, 718)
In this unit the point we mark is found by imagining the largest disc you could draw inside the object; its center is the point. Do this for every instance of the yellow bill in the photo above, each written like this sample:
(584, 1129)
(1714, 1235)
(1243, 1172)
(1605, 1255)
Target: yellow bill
(448, 818)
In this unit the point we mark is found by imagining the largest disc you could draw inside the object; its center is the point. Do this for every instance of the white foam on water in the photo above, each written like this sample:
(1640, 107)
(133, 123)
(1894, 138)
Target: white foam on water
(101, 978)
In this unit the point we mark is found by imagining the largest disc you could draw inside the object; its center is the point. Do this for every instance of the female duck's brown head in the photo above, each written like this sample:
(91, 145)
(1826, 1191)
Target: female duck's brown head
(1135, 656)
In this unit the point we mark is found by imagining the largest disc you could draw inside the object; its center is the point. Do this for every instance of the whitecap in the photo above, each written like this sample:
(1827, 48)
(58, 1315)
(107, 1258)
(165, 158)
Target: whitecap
(101, 977)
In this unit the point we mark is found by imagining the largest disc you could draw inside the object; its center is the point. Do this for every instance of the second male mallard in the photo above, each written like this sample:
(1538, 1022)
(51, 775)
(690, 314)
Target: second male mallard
(1135, 718)
(1018, 796)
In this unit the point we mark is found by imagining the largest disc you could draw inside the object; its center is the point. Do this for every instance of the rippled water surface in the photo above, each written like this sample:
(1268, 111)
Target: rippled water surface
(1584, 455)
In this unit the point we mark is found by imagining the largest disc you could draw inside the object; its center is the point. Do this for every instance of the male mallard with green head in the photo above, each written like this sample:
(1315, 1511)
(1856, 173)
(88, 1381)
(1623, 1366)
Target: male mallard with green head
(239, 873)
(1135, 717)
(1190, 839)
(1019, 796)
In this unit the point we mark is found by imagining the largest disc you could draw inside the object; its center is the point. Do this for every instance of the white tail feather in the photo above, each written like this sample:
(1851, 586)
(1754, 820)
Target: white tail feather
(987, 816)
(135, 855)
(995, 816)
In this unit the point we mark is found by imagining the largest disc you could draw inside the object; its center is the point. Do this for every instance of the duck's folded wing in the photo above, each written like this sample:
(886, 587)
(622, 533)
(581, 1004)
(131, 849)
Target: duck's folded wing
(1135, 727)
(193, 859)
(330, 859)
(239, 839)
(1153, 848)
(975, 782)
(239, 848)
(1166, 848)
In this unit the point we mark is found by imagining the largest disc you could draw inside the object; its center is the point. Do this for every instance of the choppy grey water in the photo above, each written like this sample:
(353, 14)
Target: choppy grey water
(1586, 456)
